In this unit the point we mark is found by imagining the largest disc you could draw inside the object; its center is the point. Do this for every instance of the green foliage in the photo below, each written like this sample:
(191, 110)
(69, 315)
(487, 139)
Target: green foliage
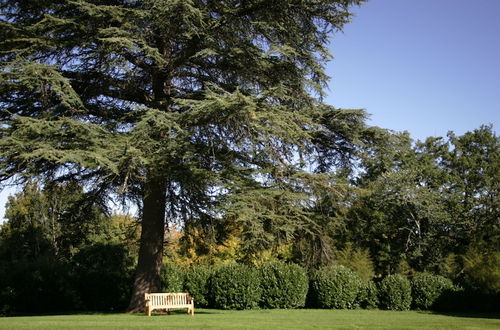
(426, 289)
(59, 244)
(450, 266)
(172, 277)
(197, 283)
(127, 95)
(104, 275)
(473, 164)
(335, 287)
(314, 246)
(235, 286)
(482, 269)
(356, 259)
(395, 293)
(424, 202)
(121, 96)
(283, 285)
(37, 286)
(58, 219)
(368, 295)
(97, 278)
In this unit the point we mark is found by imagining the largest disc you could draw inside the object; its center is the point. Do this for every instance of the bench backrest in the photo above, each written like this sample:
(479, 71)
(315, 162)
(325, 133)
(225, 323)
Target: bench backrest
(168, 299)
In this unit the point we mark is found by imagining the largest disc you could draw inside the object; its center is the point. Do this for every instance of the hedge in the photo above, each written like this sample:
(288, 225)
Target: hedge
(283, 285)
(197, 284)
(335, 287)
(368, 295)
(427, 288)
(235, 286)
(172, 277)
(395, 293)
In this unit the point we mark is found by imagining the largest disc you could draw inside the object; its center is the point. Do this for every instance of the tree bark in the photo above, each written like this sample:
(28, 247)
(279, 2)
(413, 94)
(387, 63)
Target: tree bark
(147, 277)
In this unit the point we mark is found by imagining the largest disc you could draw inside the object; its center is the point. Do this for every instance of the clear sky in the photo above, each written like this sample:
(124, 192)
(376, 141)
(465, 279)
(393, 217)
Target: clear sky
(425, 66)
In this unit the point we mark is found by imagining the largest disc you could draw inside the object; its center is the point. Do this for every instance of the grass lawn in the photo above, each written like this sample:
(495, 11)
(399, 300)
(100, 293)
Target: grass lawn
(259, 319)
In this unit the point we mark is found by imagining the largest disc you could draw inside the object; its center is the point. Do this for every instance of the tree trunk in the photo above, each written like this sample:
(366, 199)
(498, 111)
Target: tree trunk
(147, 277)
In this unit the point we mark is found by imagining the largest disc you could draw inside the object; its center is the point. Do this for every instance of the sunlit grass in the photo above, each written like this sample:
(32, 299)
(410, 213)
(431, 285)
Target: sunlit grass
(259, 319)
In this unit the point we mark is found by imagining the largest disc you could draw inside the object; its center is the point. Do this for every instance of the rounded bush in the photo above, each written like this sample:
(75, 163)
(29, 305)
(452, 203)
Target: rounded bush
(197, 284)
(335, 287)
(395, 293)
(235, 286)
(427, 288)
(172, 277)
(283, 285)
(368, 295)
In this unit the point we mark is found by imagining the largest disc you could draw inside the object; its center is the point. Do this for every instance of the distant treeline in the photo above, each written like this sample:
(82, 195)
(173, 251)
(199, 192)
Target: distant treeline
(415, 224)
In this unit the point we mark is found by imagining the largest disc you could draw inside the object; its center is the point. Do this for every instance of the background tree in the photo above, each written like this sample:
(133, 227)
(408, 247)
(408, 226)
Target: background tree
(55, 245)
(470, 195)
(58, 220)
(174, 105)
(425, 206)
(472, 165)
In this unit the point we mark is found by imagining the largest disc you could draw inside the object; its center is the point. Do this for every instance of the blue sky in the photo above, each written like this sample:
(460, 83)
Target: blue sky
(424, 66)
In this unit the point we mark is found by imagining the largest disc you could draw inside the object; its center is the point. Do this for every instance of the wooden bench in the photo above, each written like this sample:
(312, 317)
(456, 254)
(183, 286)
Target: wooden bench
(168, 301)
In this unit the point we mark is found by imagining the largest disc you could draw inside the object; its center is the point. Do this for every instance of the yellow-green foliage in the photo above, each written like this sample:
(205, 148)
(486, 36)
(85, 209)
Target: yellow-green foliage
(482, 269)
(358, 260)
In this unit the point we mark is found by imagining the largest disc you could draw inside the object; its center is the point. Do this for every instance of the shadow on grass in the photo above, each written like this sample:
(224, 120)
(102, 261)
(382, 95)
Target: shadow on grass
(80, 313)
(21, 314)
(495, 316)
(181, 312)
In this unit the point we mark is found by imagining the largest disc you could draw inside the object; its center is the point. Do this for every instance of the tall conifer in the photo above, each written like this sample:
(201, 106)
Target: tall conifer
(181, 105)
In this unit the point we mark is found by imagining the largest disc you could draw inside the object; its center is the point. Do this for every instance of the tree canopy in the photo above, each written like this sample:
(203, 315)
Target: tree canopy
(180, 106)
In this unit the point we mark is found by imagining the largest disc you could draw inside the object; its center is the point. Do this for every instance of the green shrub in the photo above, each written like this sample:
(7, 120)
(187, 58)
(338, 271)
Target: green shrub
(427, 288)
(104, 275)
(368, 295)
(335, 287)
(44, 285)
(395, 293)
(235, 286)
(196, 283)
(172, 277)
(283, 285)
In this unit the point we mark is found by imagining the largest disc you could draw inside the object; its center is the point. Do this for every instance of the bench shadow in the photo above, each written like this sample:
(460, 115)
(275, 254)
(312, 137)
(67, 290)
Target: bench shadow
(181, 312)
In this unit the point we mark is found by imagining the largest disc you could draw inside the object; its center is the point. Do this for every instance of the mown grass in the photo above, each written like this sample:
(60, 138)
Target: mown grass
(259, 319)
